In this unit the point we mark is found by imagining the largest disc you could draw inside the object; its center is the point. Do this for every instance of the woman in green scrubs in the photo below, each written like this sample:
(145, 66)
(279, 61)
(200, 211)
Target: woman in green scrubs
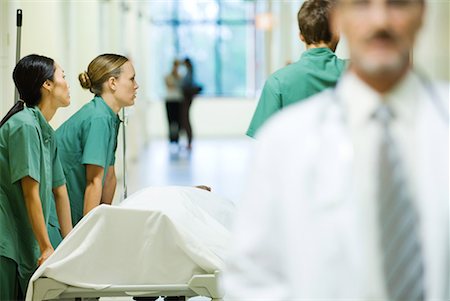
(31, 173)
(87, 141)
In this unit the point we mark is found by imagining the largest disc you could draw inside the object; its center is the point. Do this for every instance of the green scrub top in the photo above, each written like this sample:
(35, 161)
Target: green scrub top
(316, 70)
(88, 137)
(27, 148)
(53, 227)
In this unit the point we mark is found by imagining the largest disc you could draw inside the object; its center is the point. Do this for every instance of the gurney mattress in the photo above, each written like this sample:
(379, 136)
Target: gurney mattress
(157, 236)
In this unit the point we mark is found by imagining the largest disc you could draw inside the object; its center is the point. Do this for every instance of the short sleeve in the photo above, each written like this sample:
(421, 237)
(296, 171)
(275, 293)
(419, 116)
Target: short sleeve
(269, 103)
(96, 137)
(58, 177)
(24, 153)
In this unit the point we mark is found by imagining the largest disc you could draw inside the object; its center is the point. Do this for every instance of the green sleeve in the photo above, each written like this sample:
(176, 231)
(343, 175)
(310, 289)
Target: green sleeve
(58, 177)
(269, 103)
(96, 142)
(24, 153)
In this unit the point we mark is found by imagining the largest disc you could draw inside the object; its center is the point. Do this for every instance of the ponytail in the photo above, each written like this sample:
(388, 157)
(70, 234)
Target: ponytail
(18, 106)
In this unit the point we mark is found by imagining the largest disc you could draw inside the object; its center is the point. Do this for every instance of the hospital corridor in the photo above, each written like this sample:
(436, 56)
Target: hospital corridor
(224, 150)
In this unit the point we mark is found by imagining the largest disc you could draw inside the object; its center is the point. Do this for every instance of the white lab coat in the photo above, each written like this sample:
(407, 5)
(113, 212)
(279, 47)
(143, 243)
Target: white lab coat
(302, 233)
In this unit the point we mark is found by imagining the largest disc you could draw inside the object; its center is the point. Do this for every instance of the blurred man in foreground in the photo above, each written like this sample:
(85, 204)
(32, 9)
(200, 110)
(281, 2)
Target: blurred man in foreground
(358, 207)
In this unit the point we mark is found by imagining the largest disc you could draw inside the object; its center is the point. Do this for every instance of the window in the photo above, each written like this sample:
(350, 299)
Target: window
(217, 35)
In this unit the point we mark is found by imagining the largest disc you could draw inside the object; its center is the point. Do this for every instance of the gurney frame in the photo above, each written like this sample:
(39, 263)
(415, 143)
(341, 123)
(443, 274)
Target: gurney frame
(199, 285)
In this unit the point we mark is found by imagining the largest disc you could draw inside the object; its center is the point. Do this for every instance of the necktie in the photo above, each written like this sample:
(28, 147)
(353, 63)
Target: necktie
(400, 244)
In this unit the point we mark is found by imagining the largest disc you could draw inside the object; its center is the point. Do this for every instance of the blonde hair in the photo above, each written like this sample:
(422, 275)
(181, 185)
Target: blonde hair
(100, 70)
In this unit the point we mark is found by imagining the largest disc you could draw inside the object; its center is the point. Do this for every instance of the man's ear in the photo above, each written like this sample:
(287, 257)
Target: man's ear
(302, 38)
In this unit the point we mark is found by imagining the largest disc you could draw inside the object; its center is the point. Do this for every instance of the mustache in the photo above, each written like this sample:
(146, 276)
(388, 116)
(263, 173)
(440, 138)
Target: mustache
(382, 35)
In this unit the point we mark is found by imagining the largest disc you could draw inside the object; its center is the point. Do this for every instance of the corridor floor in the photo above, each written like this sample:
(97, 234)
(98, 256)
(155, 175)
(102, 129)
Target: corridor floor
(218, 163)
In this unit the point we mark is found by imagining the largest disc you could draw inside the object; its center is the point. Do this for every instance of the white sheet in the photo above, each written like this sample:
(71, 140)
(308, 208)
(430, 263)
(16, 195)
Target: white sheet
(159, 235)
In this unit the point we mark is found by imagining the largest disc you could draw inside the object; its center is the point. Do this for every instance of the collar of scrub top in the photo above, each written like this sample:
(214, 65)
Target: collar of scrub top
(318, 51)
(100, 100)
(46, 129)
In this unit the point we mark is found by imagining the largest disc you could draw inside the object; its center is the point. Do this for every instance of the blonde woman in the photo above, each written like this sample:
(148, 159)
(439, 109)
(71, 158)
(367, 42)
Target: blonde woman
(87, 141)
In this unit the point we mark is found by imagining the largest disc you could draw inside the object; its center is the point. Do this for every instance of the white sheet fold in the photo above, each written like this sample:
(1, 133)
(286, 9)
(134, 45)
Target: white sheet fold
(159, 235)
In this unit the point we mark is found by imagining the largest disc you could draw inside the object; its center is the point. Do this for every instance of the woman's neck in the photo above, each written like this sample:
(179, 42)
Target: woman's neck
(47, 110)
(111, 102)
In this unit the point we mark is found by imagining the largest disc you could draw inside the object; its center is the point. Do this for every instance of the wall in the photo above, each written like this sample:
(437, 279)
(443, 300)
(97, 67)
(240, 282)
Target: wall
(432, 52)
(7, 55)
(219, 117)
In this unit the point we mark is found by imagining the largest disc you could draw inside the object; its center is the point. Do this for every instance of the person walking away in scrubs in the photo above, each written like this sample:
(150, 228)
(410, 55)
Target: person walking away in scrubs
(87, 141)
(31, 174)
(318, 68)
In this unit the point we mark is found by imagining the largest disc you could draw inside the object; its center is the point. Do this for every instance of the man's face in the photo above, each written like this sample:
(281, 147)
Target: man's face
(380, 33)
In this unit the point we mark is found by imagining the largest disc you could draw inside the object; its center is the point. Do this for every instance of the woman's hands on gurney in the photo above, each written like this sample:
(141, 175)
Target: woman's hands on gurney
(45, 254)
(204, 187)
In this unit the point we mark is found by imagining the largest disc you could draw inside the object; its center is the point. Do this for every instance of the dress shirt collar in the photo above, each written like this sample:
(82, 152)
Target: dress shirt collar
(361, 101)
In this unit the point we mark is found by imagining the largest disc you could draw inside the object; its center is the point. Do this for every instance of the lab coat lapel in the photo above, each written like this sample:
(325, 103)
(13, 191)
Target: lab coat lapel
(433, 194)
(333, 170)
(329, 220)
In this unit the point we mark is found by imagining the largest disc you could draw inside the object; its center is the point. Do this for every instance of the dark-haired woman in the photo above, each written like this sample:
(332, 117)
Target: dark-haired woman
(190, 89)
(87, 141)
(31, 174)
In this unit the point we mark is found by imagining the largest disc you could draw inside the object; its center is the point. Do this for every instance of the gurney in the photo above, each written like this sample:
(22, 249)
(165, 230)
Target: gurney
(163, 241)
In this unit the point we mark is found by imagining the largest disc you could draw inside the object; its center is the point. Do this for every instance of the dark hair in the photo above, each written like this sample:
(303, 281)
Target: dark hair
(29, 75)
(313, 21)
(188, 63)
(17, 107)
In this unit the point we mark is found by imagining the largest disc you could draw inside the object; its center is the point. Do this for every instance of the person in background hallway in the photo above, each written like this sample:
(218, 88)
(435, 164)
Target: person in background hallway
(190, 89)
(87, 141)
(174, 100)
(358, 206)
(317, 69)
(31, 175)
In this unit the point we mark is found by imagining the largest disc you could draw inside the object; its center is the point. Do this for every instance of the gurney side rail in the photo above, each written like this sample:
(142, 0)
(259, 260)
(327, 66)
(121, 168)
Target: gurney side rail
(199, 285)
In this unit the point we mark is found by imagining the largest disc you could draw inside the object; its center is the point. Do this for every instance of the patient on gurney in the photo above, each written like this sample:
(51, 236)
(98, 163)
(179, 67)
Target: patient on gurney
(157, 236)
